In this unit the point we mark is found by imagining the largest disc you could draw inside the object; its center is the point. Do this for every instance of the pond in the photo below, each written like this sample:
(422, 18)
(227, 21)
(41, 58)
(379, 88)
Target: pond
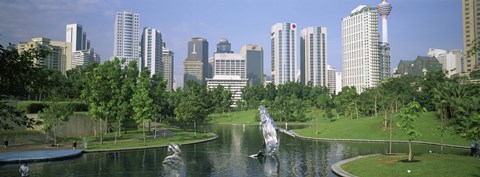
(226, 156)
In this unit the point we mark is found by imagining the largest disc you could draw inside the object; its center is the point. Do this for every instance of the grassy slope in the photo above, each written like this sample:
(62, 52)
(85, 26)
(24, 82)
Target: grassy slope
(428, 165)
(372, 128)
(134, 139)
(346, 128)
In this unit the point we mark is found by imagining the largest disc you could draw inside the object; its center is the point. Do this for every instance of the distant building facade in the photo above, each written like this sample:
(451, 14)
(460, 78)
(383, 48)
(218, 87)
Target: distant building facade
(254, 58)
(452, 61)
(168, 60)
(283, 52)
(196, 64)
(82, 52)
(418, 67)
(58, 58)
(151, 51)
(126, 39)
(331, 79)
(360, 49)
(471, 31)
(313, 56)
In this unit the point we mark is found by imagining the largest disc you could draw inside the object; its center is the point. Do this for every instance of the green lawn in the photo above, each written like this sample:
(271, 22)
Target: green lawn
(438, 165)
(134, 139)
(238, 117)
(372, 128)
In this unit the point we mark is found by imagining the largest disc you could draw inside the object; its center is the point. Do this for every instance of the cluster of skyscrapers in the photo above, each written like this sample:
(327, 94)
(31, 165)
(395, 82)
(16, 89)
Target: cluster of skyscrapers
(148, 50)
(64, 55)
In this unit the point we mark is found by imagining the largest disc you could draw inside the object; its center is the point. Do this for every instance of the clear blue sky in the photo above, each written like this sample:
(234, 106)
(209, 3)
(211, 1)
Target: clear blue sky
(414, 25)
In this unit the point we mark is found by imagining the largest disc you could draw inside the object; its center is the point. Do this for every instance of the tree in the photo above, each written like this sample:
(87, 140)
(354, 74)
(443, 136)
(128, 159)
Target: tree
(406, 118)
(54, 115)
(159, 97)
(142, 102)
(194, 107)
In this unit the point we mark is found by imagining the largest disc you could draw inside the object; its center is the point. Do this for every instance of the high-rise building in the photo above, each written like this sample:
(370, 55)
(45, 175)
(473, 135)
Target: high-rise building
(254, 56)
(81, 51)
(338, 82)
(360, 49)
(151, 54)
(224, 46)
(331, 79)
(126, 39)
(230, 71)
(283, 48)
(196, 64)
(230, 64)
(75, 36)
(58, 58)
(167, 60)
(471, 31)
(313, 56)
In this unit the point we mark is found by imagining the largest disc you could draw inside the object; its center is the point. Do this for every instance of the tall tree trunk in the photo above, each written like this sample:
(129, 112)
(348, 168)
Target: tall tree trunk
(143, 128)
(376, 106)
(101, 132)
(356, 109)
(409, 150)
(119, 127)
(195, 127)
(385, 120)
(391, 131)
(54, 137)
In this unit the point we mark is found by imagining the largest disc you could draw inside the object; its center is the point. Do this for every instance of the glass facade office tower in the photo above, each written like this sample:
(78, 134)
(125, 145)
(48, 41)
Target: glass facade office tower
(283, 48)
(313, 56)
(196, 64)
(254, 56)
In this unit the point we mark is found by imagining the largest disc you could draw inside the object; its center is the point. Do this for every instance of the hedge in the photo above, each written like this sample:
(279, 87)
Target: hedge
(34, 107)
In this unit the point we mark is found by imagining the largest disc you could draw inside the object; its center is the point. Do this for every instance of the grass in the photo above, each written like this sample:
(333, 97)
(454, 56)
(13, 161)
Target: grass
(427, 165)
(134, 139)
(373, 129)
(238, 117)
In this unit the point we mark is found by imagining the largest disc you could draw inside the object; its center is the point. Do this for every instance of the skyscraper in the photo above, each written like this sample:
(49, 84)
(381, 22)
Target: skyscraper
(360, 49)
(283, 47)
(126, 39)
(384, 10)
(81, 51)
(254, 56)
(471, 31)
(75, 36)
(167, 60)
(313, 56)
(152, 47)
(196, 64)
(224, 46)
(331, 79)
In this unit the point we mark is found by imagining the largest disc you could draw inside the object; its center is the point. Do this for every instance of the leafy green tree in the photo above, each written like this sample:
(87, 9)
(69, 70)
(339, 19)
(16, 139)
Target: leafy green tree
(195, 106)
(347, 102)
(406, 122)
(54, 115)
(143, 105)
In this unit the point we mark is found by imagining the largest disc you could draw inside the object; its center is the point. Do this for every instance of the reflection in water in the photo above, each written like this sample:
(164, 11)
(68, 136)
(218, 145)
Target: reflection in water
(270, 164)
(173, 165)
(225, 156)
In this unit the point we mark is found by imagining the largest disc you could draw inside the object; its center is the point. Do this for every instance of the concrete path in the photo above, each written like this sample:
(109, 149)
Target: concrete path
(337, 169)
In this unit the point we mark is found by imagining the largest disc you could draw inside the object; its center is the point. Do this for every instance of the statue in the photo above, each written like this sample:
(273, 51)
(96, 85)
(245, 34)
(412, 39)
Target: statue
(173, 165)
(269, 130)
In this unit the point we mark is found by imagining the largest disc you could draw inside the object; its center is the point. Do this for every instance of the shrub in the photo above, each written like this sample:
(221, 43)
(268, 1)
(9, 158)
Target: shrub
(34, 107)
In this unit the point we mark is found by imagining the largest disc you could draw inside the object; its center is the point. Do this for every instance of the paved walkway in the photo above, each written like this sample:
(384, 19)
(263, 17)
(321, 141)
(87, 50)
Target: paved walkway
(336, 167)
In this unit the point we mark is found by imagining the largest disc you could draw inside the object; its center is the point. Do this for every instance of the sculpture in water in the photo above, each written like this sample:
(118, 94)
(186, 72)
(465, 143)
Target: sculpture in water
(269, 130)
(173, 164)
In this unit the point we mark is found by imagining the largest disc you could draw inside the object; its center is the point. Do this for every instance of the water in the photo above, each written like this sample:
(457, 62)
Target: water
(226, 156)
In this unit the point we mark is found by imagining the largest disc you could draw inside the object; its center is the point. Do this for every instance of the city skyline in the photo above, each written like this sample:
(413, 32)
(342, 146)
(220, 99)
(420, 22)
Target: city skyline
(427, 24)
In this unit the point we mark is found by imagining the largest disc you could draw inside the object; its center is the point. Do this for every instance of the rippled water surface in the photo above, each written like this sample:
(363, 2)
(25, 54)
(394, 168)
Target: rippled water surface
(226, 156)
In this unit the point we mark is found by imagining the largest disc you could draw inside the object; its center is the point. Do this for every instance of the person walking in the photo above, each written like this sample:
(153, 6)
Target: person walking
(473, 148)
(24, 170)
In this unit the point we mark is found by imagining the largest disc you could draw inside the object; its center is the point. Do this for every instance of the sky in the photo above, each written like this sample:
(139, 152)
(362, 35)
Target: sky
(414, 26)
